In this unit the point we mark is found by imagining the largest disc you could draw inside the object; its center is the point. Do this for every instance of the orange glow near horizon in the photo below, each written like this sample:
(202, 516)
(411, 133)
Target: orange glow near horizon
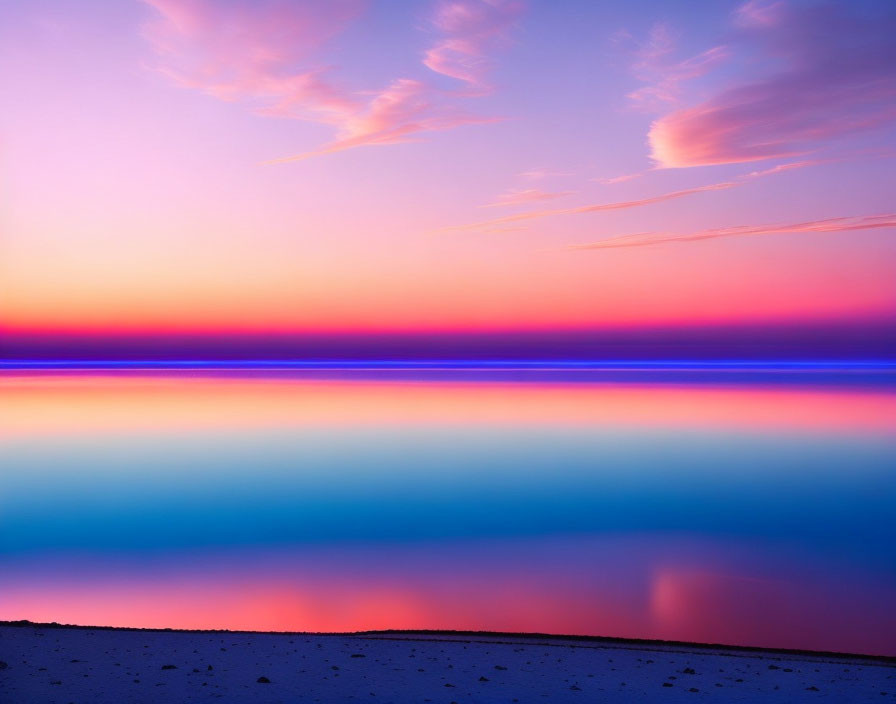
(134, 328)
(571, 297)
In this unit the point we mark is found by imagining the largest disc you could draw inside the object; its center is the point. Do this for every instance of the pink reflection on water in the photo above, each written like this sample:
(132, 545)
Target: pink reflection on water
(628, 586)
(42, 405)
(832, 613)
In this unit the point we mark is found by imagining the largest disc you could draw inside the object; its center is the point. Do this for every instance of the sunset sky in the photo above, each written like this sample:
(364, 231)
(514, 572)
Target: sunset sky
(555, 316)
(172, 166)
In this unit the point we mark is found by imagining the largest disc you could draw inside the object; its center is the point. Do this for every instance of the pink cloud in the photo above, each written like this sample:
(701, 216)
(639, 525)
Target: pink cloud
(619, 179)
(486, 225)
(527, 195)
(844, 224)
(470, 29)
(264, 53)
(258, 52)
(788, 167)
(539, 174)
(838, 79)
(655, 64)
(596, 208)
(404, 109)
(758, 13)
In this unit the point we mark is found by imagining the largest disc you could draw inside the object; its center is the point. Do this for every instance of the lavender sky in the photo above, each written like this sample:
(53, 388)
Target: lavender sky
(185, 167)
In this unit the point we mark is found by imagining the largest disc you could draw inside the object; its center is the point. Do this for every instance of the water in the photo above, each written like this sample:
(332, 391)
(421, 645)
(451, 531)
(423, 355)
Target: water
(750, 510)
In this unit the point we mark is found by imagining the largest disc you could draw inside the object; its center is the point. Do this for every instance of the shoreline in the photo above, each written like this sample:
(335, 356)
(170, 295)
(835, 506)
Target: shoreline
(497, 637)
(70, 664)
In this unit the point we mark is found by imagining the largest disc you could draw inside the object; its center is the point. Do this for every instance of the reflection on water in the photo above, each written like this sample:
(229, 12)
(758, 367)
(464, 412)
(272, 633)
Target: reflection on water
(738, 514)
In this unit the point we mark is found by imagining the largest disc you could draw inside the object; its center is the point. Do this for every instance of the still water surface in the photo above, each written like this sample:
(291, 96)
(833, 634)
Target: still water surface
(744, 513)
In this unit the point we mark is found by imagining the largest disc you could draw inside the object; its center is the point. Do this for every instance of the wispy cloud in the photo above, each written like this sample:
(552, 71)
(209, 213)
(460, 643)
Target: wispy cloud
(789, 167)
(838, 79)
(265, 53)
(525, 196)
(843, 224)
(261, 52)
(539, 174)
(405, 109)
(758, 13)
(469, 29)
(596, 208)
(619, 179)
(626, 204)
(655, 64)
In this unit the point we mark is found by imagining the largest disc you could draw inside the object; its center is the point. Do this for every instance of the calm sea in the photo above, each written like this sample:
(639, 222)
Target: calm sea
(728, 509)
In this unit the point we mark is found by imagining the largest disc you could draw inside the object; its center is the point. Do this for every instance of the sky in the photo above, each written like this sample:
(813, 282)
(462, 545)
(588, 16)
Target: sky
(270, 166)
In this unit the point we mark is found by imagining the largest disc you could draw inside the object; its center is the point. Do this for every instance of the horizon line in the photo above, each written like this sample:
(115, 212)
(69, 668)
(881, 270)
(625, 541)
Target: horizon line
(820, 364)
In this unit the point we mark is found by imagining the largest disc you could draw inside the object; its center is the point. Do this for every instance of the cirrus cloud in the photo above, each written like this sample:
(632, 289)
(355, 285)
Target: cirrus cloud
(265, 53)
(469, 28)
(837, 79)
(664, 75)
(404, 109)
(841, 224)
(490, 225)
(262, 52)
(525, 196)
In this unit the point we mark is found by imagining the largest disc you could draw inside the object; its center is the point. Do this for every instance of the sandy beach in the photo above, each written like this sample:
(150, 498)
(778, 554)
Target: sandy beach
(44, 665)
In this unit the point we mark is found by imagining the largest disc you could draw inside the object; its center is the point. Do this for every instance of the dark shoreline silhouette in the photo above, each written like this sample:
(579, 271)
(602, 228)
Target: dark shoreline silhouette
(60, 663)
(491, 636)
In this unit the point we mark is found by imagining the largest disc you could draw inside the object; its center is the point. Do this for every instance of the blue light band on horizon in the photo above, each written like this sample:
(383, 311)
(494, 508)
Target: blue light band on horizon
(449, 364)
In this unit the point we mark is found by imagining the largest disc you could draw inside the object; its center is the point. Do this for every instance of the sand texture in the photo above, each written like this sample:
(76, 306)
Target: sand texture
(81, 665)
